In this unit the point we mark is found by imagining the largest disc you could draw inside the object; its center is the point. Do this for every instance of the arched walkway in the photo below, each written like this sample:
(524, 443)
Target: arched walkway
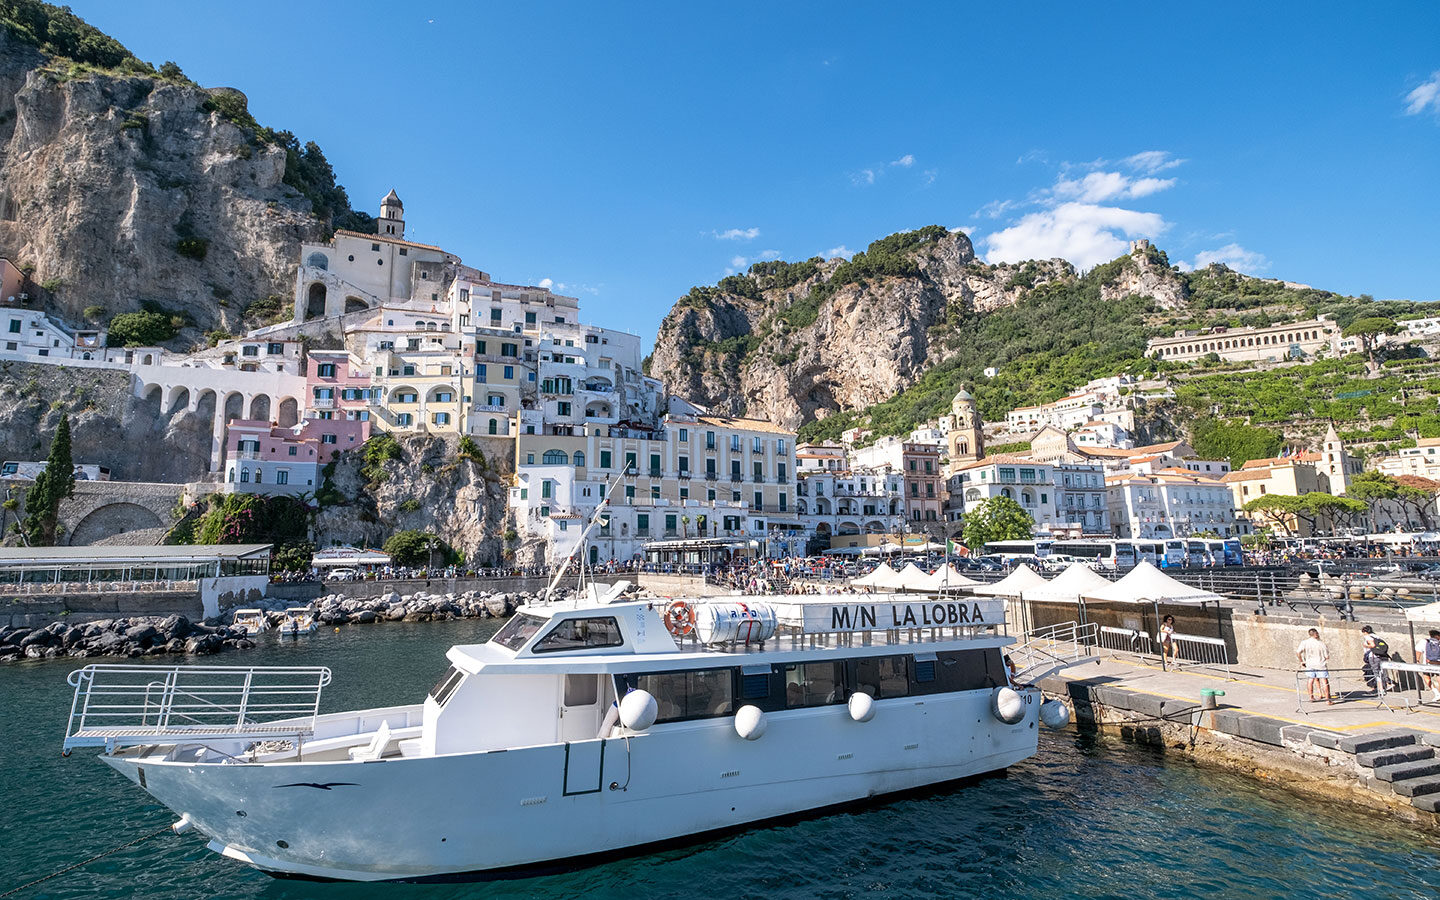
(315, 302)
(289, 413)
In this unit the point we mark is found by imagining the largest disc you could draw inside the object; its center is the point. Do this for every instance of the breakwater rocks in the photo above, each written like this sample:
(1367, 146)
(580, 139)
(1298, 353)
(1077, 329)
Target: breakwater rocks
(133, 636)
(338, 609)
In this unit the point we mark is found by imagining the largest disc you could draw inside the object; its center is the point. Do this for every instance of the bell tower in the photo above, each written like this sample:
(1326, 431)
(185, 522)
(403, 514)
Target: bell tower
(966, 439)
(392, 216)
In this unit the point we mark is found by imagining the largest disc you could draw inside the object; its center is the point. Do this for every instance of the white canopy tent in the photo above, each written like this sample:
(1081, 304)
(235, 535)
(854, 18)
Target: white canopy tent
(1147, 584)
(913, 578)
(1076, 581)
(948, 576)
(1014, 584)
(882, 577)
(1429, 614)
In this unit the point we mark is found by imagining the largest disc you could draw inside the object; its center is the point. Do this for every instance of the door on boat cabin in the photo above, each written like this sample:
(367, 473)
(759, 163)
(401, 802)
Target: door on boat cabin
(582, 699)
(580, 707)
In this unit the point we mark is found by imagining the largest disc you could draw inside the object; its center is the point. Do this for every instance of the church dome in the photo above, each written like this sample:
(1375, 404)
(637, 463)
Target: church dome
(392, 199)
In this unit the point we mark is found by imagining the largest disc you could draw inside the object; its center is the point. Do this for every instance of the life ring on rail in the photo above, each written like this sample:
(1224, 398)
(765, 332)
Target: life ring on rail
(680, 618)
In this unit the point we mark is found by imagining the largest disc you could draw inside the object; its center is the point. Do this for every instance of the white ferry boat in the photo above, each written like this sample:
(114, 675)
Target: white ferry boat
(578, 732)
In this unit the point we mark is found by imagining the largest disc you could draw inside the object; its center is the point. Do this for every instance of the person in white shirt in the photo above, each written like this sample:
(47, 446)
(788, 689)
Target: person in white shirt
(1314, 659)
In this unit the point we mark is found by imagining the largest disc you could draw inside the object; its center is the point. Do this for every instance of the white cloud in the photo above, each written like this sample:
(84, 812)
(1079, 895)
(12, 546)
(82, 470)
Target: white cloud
(1232, 255)
(735, 234)
(1083, 233)
(863, 177)
(905, 161)
(996, 208)
(1426, 96)
(1148, 162)
(546, 283)
(841, 250)
(1098, 187)
(769, 254)
(929, 176)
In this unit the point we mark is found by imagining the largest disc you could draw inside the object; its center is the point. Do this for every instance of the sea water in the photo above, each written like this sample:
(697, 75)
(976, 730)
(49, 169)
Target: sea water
(1086, 817)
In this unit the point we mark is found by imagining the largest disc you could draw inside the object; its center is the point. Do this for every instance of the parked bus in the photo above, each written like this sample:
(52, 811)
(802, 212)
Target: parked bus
(1111, 554)
(1197, 552)
(1149, 551)
(1009, 550)
(1174, 555)
(1226, 553)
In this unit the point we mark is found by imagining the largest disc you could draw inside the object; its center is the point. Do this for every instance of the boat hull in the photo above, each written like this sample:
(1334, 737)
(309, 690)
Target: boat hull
(523, 810)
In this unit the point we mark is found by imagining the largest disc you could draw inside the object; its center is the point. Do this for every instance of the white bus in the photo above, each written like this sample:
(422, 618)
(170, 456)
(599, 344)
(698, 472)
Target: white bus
(1009, 550)
(1108, 553)
(1175, 554)
(1149, 551)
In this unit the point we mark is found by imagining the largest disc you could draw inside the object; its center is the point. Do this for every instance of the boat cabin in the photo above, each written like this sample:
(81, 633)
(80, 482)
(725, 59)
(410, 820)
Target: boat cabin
(581, 662)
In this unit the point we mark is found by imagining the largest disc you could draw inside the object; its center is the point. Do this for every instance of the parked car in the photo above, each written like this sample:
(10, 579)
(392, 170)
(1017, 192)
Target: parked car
(342, 575)
(990, 563)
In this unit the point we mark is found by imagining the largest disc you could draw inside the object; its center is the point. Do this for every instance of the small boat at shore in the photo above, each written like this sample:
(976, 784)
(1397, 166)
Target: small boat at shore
(580, 730)
(251, 621)
(298, 620)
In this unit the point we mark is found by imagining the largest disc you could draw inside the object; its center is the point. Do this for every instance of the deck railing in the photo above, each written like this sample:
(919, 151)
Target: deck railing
(119, 705)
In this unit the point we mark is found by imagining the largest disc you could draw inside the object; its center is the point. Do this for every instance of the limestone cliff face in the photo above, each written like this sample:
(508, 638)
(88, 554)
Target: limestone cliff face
(102, 175)
(756, 348)
(430, 488)
(109, 426)
(1145, 273)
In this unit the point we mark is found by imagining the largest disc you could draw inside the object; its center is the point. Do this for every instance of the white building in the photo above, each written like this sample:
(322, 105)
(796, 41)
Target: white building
(1171, 502)
(822, 457)
(1064, 494)
(30, 334)
(860, 501)
(1423, 459)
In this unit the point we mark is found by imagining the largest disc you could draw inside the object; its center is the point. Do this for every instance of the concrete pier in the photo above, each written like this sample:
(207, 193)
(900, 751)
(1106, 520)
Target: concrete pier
(1358, 749)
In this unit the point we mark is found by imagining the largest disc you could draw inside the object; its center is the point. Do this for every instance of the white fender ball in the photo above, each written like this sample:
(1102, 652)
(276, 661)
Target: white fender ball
(862, 706)
(1054, 714)
(750, 722)
(1007, 705)
(638, 710)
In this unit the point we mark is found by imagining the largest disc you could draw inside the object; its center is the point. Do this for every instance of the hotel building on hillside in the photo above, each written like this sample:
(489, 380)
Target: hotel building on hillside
(693, 476)
(1271, 343)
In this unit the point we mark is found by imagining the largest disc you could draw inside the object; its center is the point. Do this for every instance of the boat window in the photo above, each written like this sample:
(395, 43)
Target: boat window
(581, 634)
(962, 670)
(446, 685)
(813, 684)
(581, 690)
(754, 682)
(924, 671)
(881, 677)
(688, 695)
(518, 631)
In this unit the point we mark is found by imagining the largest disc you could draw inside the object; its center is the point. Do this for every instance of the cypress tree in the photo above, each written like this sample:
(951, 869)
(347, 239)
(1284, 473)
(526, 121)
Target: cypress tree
(55, 483)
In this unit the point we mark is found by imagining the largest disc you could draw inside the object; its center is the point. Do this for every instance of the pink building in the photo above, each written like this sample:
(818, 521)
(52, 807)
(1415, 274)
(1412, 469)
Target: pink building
(264, 458)
(12, 282)
(337, 390)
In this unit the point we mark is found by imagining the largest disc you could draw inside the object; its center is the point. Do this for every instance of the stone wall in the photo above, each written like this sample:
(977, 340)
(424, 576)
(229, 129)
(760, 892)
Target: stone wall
(32, 612)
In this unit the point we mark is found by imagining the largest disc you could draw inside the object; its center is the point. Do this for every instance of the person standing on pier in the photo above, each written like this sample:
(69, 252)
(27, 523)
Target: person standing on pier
(1314, 659)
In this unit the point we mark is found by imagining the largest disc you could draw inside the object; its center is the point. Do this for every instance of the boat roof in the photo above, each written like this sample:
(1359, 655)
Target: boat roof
(651, 648)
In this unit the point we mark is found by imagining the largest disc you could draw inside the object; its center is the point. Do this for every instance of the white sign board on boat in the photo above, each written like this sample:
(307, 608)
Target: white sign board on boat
(814, 617)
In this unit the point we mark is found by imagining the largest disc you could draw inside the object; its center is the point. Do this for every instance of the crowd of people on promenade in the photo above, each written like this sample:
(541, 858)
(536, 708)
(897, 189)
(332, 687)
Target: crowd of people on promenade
(1313, 656)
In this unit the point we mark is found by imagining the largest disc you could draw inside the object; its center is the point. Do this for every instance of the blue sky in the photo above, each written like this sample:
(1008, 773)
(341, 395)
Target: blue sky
(626, 153)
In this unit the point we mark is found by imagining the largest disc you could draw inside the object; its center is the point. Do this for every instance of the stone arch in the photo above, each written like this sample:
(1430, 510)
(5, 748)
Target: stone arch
(822, 528)
(288, 413)
(315, 301)
(801, 507)
(354, 304)
(177, 398)
(234, 406)
(875, 526)
(204, 402)
(110, 520)
(149, 359)
(153, 393)
(260, 407)
(318, 260)
(822, 506)
(848, 528)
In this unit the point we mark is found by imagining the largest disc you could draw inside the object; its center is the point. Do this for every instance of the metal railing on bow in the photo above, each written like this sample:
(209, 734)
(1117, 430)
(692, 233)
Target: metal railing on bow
(120, 705)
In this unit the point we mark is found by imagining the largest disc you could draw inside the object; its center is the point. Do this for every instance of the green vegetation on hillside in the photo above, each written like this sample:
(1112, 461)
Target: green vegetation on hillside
(1059, 336)
(140, 329)
(59, 33)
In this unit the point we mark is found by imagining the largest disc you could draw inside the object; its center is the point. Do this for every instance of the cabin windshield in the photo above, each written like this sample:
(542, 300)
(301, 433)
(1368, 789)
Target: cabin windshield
(518, 631)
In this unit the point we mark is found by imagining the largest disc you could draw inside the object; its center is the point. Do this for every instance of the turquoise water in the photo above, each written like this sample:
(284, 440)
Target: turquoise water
(1085, 818)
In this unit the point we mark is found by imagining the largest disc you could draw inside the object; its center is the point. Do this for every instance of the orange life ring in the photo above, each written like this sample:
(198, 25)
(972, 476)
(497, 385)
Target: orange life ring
(680, 618)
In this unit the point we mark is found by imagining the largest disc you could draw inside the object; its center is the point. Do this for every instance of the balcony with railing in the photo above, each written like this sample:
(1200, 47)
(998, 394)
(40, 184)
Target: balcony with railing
(322, 402)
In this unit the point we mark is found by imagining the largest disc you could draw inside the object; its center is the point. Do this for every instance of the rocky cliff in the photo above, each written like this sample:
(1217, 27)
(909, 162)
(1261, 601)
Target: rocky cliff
(791, 342)
(109, 426)
(120, 189)
(426, 486)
